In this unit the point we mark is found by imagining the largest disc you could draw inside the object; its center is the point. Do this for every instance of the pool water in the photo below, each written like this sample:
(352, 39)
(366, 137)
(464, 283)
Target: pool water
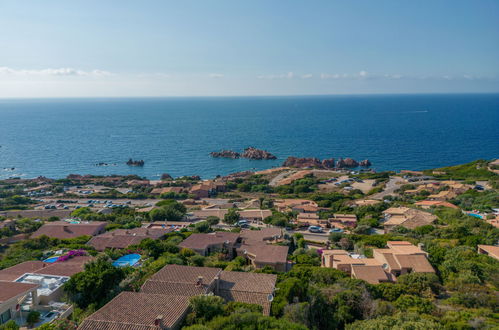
(476, 215)
(51, 260)
(128, 260)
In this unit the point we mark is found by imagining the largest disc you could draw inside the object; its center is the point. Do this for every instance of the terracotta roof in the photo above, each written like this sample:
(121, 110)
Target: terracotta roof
(370, 274)
(204, 213)
(436, 203)
(65, 268)
(137, 311)
(123, 238)
(14, 272)
(202, 241)
(308, 216)
(261, 214)
(185, 274)
(491, 250)
(175, 289)
(262, 234)
(247, 282)
(417, 262)
(9, 290)
(62, 229)
(265, 253)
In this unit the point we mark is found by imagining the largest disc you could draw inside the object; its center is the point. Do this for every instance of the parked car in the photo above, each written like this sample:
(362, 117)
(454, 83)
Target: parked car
(315, 229)
(336, 230)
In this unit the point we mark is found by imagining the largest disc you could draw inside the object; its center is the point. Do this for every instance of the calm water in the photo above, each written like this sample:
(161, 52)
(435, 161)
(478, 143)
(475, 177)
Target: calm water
(60, 136)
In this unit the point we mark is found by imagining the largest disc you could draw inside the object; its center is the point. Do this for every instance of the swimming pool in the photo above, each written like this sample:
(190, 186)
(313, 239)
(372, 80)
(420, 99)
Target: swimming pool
(475, 215)
(51, 259)
(128, 260)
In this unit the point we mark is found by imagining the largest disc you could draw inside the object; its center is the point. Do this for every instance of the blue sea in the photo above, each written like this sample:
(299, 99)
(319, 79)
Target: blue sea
(57, 137)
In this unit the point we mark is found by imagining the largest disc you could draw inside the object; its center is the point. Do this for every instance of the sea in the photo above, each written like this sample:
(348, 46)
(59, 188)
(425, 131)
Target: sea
(57, 137)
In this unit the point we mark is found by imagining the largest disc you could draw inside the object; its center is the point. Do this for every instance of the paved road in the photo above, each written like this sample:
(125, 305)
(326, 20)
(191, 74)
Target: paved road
(389, 188)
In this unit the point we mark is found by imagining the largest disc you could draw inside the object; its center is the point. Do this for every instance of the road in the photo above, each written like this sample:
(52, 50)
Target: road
(390, 188)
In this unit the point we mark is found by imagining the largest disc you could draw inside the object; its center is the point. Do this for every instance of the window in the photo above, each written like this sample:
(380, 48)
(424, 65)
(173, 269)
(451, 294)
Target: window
(5, 316)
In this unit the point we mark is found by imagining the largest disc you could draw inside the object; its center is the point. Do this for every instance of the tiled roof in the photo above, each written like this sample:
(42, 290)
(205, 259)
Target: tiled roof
(175, 289)
(137, 311)
(261, 214)
(247, 282)
(262, 234)
(9, 290)
(265, 253)
(370, 274)
(491, 250)
(14, 272)
(62, 229)
(185, 274)
(202, 241)
(417, 262)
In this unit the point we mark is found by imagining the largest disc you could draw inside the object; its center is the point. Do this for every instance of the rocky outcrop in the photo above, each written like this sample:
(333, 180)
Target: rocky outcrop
(365, 163)
(166, 176)
(347, 162)
(324, 164)
(132, 162)
(254, 153)
(225, 154)
(328, 163)
(302, 162)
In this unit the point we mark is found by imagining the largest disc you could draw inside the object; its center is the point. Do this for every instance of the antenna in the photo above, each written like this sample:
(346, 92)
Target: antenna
(270, 297)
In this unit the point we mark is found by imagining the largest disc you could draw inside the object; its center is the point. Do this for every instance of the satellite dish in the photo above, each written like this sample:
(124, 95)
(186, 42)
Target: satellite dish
(270, 297)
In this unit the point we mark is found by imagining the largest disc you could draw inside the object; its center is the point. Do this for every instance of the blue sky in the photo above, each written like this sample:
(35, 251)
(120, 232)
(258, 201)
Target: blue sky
(182, 48)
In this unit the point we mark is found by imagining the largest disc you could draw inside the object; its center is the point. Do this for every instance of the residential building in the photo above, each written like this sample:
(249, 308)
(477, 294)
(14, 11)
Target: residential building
(254, 215)
(490, 250)
(286, 205)
(204, 244)
(402, 257)
(343, 220)
(426, 204)
(64, 229)
(10, 295)
(406, 217)
(123, 238)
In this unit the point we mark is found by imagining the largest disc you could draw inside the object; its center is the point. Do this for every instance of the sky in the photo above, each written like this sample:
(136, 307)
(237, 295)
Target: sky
(116, 48)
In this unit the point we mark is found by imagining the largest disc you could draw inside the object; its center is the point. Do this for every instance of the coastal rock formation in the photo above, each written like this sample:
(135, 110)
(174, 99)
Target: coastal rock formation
(254, 153)
(302, 162)
(132, 162)
(328, 163)
(347, 162)
(225, 154)
(365, 163)
(166, 176)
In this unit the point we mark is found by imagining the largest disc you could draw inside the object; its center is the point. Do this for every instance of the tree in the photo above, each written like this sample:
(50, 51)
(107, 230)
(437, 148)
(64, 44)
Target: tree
(212, 220)
(231, 217)
(32, 318)
(97, 284)
(10, 325)
(205, 308)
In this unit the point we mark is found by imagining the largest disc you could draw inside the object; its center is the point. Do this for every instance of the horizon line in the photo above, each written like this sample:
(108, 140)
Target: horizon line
(242, 96)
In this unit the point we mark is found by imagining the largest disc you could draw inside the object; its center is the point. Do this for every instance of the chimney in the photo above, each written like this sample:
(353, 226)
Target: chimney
(159, 322)
(199, 282)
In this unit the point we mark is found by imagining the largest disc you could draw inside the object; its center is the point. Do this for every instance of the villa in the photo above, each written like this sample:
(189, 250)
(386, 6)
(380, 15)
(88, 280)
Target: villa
(65, 230)
(490, 250)
(406, 217)
(123, 238)
(204, 244)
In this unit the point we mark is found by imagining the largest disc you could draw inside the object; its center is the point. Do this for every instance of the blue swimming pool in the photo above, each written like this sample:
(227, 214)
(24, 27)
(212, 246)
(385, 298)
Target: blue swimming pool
(51, 259)
(128, 260)
(475, 215)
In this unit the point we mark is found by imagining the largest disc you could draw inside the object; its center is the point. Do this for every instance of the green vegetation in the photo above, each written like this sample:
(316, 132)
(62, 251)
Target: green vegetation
(476, 170)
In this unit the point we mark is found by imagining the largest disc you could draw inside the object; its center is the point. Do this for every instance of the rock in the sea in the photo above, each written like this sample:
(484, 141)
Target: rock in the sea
(225, 154)
(132, 162)
(302, 162)
(166, 176)
(254, 153)
(328, 163)
(365, 163)
(347, 162)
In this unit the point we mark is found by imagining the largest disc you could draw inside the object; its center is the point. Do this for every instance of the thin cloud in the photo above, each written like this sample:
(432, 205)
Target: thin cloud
(216, 75)
(53, 72)
(289, 75)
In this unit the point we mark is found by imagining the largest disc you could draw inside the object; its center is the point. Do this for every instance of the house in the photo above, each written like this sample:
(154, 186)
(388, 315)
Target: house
(310, 219)
(426, 204)
(343, 220)
(402, 257)
(204, 244)
(254, 215)
(189, 281)
(123, 238)
(269, 234)
(367, 269)
(36, 285)
(205, 213)
(490, 250)
(306, 208)
(286, 205)
(366, 202)
(260, 254)
(207, 188)
(406, 217)
(65, 230)
(443, 195)
(138, 310)
(10, 295)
